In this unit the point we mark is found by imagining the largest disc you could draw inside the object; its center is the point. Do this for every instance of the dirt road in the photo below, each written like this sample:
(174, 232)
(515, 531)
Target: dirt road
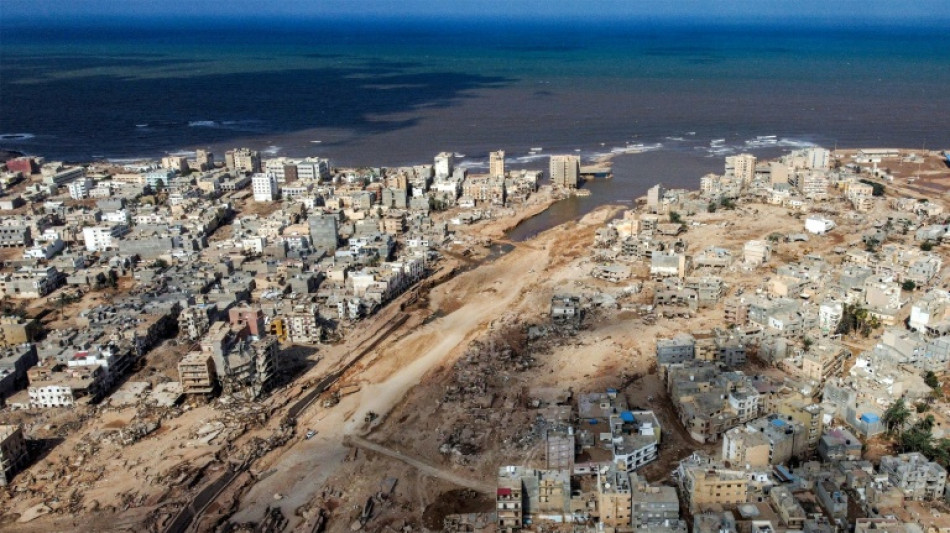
(386, 375)
(422, 466)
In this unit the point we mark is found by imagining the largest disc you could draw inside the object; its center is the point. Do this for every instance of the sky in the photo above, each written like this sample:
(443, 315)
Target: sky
(827, 11)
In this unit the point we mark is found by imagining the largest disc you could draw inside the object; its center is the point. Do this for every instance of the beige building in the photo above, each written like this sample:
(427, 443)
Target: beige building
(197, 374)
(756, 252)
(861, 195)
(176, 163)
(565, 170)
(741, 166)
(243, 159)
(744, 445)
(15, 330)
(707, 485)
(496, 164)
(13, 452)
(824, 360)
(614, 498)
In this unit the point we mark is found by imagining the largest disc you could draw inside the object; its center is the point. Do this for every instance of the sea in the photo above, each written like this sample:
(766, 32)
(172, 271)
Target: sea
(366, 92)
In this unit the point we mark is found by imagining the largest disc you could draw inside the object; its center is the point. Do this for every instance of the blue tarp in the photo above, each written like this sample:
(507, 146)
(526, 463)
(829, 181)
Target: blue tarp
(778, 422)
(627, 416)
(870, 418)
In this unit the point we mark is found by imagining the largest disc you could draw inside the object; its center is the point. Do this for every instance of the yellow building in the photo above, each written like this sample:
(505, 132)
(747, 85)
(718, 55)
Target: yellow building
(707, 485)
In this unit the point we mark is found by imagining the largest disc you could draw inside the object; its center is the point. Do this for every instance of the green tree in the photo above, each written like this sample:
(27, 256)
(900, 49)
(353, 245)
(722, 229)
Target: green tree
(918, 438)
(896, 416)
(908, 285)
(926, 246)
(675, 217)
(711, 207)
(931, 380)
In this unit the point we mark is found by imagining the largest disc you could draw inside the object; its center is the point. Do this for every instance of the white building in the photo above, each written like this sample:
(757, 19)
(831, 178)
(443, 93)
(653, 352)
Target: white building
(80, 188)
(829, 315)
(44, 250)
(264, 187)
(102, 238)
(818, 225)
(120, 216)
(444, 162)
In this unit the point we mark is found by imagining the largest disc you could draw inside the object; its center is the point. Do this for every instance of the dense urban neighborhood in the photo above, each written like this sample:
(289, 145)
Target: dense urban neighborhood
(279, 344)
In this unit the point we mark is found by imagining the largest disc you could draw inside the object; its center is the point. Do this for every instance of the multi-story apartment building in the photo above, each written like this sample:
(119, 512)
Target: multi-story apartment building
(565, 170)
(496, 164)
(102, 238)
(264, 187)
(244, 159)
(14, 455)
(15, 330)
(59, 385)
(15, 236)
(614, 503)
(741, 166)
(197, 374)
(303, 325)
(915, 476)
(712, 484)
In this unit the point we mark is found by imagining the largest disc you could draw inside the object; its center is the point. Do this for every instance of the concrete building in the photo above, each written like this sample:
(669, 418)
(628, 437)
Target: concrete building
(679, 349)
(655, 197)
(204, 159)
(196, 372)
(839, 444)
(58, 385)
(15, 330)
(614, 502)
(566, 310)
(244, 160)
(324, 232)
(14, 455)
(175, 162)
(195, 320)
(771, 440)
(824, 359)
(14, 364)
(741, 166)
(303, 325)
(915, 476)
(787, 507)
(444, 164)
(104, 237)
(832, 499)
(80, 188)
(251, 317)
(668, 264)
(706, 485)
(652, 506)
(15, 236)
(264, 187)
(565, 171)
(496, 164)
(509, 499)
(756, 252)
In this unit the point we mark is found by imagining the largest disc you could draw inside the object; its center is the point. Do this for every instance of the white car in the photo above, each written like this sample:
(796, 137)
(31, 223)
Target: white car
(310, 434)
